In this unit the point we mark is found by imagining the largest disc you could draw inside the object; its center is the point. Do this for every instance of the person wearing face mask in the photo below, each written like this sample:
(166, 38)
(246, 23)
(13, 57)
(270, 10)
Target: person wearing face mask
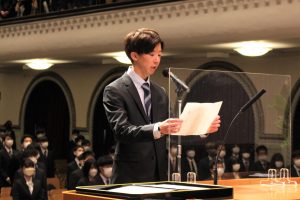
(247, 163)
(86, 145)
(222, 157)
(32, 154)
(71, 144)
(26, 140)
(189, 163)
(46, 156)
(173, 159)
(262, 164)
(295, 168)
(90, 174)
(220, 169)
(235, 152)
(77, 174)
(105, 169)
(204, 163)
(277, 162)
(76, 163)
(27, 187)
(8, 159)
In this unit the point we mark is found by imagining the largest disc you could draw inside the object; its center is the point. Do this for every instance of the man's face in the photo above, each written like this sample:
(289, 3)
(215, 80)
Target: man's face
(147, 63)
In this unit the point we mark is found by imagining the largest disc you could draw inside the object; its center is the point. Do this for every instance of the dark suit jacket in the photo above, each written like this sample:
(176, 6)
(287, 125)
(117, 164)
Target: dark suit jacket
(20, 190)
(293, 171)
(138, 156)
(40, 175)
(84, 181)
(259, 168)
(74, 178)
(48, 162)
(243, 168)
(9, 166)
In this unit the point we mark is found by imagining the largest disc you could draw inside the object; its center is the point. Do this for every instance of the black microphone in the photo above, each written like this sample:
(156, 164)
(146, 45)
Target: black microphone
(243, 109)
(179, 83)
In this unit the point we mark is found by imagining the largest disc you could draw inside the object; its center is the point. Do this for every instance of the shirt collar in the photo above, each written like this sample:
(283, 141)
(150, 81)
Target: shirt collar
(136, 78)
(8, 149)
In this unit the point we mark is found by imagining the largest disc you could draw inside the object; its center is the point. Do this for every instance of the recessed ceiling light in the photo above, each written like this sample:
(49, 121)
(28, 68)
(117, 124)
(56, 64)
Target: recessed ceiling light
(253, 48)
(120, 56)
(40, 63)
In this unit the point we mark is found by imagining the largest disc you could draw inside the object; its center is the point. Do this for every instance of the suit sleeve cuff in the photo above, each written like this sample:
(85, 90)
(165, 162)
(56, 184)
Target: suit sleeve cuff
(156, 132)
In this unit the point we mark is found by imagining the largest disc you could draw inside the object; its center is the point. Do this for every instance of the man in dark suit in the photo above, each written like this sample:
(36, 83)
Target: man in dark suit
(295, 167)
(262, 164)
(46, 156)
(8, 160)
(137, 110)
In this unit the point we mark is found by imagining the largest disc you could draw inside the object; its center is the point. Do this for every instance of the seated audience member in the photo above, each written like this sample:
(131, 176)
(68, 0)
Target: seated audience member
(46, 156)
(206, 162)
(26, 140)
(27, 187)
(189, 163)
(247, 163)
(235, 152)
(33, 154)
(277, 162)
(295, 168)
(90, 174)
(105, 169)
(222, 157)
(71, 144)
(76, 164)
(8, 159)
(40, 133)
(77, 174)
(262, 164)
(86, 144)
(9, 129)
(173, 159)
(220, 170)
(234, 169)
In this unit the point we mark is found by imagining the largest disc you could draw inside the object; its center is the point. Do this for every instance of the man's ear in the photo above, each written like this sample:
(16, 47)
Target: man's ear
(134, 56)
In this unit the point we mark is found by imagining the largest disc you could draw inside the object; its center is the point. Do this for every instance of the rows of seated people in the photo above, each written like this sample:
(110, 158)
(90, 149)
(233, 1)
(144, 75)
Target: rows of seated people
(235, 161)
(19, 8)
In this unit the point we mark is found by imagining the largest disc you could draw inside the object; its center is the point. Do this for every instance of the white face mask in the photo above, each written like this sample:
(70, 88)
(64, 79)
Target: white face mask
(278, 164)
(297, 162)
(246, 155)
(191, 154)
(236, 167)
(78, 153)
(29, 171)
(9, 143)
(173, 151)
(222, 154)
(236, 150)
(107, 172)
(220, 171)
(93, 172)
(26, 144)
(44, 145)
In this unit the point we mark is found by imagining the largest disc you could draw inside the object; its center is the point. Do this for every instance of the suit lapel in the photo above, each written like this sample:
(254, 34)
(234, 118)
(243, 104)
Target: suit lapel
(135, 95)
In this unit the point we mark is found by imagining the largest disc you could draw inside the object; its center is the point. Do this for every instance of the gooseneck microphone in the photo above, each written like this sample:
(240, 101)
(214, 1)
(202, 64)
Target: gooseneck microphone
(180, 85)
(243, 109)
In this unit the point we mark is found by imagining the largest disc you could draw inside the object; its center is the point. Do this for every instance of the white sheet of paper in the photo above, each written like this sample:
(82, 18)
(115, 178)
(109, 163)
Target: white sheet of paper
(197, 117)
(177, 187)
(132, 189)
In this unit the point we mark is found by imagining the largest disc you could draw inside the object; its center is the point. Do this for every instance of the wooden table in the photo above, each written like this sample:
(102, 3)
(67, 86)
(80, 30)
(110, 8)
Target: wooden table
(242, 189)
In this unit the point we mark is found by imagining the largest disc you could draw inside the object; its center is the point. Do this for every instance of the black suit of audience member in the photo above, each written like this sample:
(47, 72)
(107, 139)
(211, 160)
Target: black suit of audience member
(40, 175)
(48, 161)
(259, 167)
(294, 172)
(20, 190)
(74, 178)
(204, 172)
(9, 166)
(250, 167)
(84, 181)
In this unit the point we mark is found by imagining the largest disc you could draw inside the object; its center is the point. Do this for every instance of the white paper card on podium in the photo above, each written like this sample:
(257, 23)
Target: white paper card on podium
(197, 117)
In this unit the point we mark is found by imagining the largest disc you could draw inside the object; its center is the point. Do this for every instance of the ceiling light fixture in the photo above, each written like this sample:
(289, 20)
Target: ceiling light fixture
(253, 48)
(120, 56)
(39, 64)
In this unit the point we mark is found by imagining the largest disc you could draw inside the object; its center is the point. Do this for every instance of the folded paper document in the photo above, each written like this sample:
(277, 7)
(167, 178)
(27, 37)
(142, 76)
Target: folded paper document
(197, 117)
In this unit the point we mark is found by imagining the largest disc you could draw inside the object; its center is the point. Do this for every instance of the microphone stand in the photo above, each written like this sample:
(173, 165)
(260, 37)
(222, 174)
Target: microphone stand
(215, 169)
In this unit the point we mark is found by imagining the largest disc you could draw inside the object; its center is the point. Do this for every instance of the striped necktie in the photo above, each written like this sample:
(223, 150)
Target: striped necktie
(147, 99)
